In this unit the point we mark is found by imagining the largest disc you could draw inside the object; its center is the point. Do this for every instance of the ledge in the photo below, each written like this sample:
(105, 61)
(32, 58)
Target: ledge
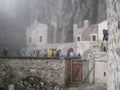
(42, 58)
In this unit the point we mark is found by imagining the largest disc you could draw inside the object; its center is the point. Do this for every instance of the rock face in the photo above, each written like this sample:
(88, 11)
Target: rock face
(59, 13)
(67, 12)
(113, 18)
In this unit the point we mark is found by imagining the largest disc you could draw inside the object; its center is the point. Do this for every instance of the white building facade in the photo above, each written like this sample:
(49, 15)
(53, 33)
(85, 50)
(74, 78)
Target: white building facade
(36, 36)
(101, 26)
(86, 39)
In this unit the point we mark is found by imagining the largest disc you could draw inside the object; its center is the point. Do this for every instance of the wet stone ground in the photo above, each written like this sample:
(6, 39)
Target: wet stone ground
(87, 87)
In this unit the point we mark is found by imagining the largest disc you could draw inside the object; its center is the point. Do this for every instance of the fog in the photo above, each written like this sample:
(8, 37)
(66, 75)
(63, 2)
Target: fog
(17, 15)
(14, 19)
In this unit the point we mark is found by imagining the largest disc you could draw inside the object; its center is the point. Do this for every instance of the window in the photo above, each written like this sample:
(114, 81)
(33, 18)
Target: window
(104, 74)
(40, 38)
(93, 37)
(118, 24)
(30, 39)
(78, 38)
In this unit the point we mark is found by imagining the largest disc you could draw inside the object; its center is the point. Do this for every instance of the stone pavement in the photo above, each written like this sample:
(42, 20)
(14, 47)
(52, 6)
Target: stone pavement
(88, 87)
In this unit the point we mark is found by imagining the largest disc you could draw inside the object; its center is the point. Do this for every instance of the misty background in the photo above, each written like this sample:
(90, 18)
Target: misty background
(17, 15)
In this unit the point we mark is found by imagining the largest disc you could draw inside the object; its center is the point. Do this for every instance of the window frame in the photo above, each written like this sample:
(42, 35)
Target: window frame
(92, 37)
(78, 36)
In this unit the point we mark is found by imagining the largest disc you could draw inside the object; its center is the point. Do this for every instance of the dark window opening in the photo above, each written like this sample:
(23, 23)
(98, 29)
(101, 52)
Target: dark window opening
(78, 38)
(40, 38)
(93, 38)
(118, 24)
(104, 74)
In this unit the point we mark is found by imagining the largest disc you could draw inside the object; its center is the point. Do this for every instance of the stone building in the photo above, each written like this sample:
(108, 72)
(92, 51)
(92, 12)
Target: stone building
(88, 37)
(42, 36)
(113, 18)
(36, 35)
(87, 42)
(89, 32)
(86, 33)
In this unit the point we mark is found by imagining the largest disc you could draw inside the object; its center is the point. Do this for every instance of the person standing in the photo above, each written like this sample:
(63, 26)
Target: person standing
(5, 52)
(49, 53)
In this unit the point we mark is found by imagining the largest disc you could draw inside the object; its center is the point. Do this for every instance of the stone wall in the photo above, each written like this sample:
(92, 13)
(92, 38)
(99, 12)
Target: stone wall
(15, 69)
(101, 71)
(85, 32)
(55, 70)
(34, 32)
(51, 34)
(84, 46)
(101, 68)
(113, 18)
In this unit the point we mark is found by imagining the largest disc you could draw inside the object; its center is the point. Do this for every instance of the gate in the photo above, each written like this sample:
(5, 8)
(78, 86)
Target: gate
(77, 71)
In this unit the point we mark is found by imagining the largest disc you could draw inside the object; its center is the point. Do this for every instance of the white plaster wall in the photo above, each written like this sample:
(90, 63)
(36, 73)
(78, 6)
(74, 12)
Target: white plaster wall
(101, 26)
(35, 31)
(77, 31)
(84, 46)
(81, 47)
(41, 30)
(100, 68)
(86, 23)
(85, 31)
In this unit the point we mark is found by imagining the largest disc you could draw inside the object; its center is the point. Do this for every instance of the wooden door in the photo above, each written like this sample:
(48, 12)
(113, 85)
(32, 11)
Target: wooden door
(77, 71)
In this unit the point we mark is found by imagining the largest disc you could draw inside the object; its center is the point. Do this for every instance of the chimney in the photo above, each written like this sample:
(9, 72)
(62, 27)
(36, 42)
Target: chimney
(86, 23)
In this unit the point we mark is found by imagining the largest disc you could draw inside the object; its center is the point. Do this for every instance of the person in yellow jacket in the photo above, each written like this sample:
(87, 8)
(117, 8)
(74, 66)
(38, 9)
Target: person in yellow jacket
(49, 53)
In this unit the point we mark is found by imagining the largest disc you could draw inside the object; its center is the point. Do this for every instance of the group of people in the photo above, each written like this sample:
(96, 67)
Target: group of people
(42, 53)
(56, 53)
(49, 53)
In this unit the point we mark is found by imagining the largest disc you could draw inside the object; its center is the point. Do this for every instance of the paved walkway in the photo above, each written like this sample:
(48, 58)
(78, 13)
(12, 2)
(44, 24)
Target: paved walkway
(88, 87)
